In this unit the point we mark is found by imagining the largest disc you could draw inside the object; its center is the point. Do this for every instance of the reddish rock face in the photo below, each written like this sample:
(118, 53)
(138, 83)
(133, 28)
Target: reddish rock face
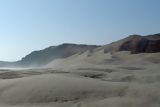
(153, 46)
(142, 44)
(136, 44)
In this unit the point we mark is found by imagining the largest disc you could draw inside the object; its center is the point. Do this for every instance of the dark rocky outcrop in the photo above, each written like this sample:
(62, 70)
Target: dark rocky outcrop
(142, 44)
(136, 44)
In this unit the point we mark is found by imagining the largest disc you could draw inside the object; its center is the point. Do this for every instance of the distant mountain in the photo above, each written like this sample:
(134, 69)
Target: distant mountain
(136, 44)
(42, 57)
(6, 64)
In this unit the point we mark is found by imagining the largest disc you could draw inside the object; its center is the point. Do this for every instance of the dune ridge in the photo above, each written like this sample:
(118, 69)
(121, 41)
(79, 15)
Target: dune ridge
(99, 77)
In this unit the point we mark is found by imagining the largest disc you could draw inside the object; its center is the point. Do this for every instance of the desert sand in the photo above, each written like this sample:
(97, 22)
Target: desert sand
(89, 79)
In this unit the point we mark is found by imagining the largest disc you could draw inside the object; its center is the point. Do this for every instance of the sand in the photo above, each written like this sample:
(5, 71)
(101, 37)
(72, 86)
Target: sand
(89, 79)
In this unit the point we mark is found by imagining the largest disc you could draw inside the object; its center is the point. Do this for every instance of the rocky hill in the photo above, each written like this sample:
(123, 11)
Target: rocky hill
(42, 57)
(136, 44)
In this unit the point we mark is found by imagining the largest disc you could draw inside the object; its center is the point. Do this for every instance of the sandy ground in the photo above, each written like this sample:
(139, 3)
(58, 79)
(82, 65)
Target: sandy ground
(90, 79)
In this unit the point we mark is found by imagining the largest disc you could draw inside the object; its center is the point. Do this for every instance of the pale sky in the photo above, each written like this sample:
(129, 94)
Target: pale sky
(28, 25)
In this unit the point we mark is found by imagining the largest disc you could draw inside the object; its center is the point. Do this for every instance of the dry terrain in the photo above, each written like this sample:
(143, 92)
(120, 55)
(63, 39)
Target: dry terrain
(89, 79)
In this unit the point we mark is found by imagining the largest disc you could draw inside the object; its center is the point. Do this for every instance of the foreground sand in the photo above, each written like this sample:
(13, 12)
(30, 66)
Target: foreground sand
(98, 80)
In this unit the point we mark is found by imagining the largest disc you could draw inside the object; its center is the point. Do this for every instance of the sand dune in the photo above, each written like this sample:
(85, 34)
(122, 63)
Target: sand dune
(55, 88)
(89, 79)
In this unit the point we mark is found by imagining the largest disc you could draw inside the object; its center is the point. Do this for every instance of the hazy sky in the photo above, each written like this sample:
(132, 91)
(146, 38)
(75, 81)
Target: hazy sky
(27, 25)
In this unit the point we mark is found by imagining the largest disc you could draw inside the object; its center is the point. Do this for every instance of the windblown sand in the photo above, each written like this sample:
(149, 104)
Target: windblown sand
(86, 80)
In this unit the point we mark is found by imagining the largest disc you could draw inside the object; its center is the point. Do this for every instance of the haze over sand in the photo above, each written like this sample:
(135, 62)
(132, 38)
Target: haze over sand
(121, 74)
(55, 53)
(90, 79)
